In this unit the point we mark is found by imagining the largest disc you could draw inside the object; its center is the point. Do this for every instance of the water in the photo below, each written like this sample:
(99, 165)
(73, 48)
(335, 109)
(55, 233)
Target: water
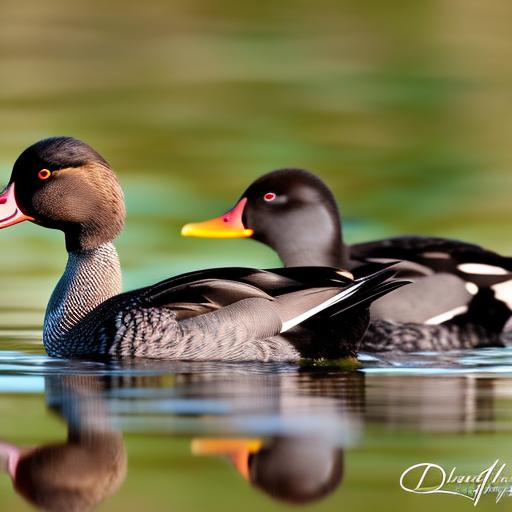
(189, 436)
(402, 107)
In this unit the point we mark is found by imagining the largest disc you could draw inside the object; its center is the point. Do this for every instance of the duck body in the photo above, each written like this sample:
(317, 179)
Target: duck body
(461, 294)
(233, 314)
(218, 314)
(477, 283)
(461, 297)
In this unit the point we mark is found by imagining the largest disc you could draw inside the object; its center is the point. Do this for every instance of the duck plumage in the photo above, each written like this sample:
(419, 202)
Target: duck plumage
(217, 314)
(462, 293)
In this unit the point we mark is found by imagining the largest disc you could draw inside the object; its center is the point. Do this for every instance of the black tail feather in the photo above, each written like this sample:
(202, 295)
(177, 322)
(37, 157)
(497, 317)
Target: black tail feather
(368, 270)
(372, 286)
(364, 299)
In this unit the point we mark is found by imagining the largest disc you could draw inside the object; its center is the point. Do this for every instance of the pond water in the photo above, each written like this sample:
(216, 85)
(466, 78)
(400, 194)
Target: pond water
(156, 435)
(402, 107)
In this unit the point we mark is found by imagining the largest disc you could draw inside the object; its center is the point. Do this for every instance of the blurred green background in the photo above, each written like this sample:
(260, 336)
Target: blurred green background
(404, 108)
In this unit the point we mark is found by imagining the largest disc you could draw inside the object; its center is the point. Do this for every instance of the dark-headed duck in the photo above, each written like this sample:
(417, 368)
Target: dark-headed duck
(218, 314)
(291, 469)
(462, 293)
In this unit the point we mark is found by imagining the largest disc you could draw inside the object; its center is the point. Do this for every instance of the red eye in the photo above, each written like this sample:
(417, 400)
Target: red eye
(269, 196)
(44, 174)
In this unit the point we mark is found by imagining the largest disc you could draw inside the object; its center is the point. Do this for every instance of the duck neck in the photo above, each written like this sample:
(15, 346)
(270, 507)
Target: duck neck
(311, 245)
(91, 277)
(295, 255)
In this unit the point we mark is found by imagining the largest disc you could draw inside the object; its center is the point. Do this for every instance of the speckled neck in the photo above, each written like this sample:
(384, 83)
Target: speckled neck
(90, 278)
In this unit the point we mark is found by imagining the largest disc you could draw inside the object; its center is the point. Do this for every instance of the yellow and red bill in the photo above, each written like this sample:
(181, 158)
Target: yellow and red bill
(229, 225)
(237, 450)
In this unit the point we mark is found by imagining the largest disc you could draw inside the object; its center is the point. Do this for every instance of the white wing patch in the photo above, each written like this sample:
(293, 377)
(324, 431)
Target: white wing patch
(503, 292)
(324, 305)
(346, 273)
(482, 269)
(472, 288)
(448, 315)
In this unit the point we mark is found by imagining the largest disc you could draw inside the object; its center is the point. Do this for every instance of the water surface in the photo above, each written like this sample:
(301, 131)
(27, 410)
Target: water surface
(186, 436)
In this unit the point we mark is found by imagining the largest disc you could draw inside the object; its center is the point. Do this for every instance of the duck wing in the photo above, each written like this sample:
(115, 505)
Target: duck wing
(208, 290)
(214, 318)
(227, 282)
(454, 281)
(469, 261)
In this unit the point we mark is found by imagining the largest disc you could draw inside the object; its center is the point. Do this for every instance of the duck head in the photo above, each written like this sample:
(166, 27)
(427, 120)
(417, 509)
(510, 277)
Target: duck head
(295, 470)
(63, 183)
(290, 210)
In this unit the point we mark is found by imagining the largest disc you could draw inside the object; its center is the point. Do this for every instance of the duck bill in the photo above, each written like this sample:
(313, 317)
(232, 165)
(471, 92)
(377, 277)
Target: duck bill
(237, 450)
(229, 225)
(10, 212)
(9, 457)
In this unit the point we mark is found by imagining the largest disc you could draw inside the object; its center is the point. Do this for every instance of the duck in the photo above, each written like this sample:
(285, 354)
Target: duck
(80, 472)
(294, 470)
(461, 296)
(228, 314)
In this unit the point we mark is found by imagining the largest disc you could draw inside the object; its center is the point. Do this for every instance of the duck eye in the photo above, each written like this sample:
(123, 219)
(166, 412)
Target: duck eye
(269, 196)
(44, 174)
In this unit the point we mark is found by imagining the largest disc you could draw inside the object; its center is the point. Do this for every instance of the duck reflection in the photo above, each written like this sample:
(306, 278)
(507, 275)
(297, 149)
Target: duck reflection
(300, 464)
(287, 468)
(77, 474)
(304, 419)
(283, 429)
